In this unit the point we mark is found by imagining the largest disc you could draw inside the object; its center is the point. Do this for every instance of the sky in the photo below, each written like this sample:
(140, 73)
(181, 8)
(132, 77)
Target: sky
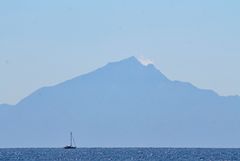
(46, 42)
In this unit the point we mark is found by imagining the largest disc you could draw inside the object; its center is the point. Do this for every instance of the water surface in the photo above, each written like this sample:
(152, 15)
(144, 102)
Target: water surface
(120, 154)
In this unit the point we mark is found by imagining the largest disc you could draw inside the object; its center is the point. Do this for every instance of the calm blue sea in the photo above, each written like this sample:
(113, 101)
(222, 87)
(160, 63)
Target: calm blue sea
(120, 154)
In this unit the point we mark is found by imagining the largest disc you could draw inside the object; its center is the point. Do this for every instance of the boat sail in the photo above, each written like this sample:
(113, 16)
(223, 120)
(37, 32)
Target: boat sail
(72, 143)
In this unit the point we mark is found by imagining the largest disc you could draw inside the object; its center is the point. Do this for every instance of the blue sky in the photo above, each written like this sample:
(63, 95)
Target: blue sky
(46, 42)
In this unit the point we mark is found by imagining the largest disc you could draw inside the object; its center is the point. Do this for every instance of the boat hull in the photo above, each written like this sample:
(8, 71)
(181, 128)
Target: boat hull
(70, 147)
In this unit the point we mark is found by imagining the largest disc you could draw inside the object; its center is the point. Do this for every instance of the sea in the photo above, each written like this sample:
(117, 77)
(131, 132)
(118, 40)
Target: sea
(119, 154)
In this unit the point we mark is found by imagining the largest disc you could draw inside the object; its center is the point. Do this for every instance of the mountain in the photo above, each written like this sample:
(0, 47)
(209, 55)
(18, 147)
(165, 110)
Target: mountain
(126, 104)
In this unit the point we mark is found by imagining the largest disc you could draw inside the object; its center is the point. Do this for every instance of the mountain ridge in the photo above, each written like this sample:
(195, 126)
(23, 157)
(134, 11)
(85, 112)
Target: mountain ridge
(131, 60)
(124, 103)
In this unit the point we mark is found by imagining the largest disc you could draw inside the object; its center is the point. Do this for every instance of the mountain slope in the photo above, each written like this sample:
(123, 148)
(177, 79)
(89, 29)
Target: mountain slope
(123, 104)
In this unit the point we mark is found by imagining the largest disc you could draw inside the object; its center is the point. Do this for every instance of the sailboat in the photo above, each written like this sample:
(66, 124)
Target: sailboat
(72, 143)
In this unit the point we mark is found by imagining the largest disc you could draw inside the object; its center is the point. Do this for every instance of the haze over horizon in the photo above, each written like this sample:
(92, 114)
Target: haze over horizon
(46, 42)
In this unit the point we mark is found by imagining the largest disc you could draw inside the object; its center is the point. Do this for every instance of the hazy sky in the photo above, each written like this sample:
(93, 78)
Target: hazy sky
(44, 42)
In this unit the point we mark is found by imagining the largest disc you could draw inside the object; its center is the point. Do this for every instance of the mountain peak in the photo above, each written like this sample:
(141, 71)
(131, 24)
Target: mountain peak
(130, 60)
(135, 61)
(132, 68)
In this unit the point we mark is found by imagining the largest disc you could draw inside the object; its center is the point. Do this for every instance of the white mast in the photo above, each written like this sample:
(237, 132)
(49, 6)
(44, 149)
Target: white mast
(71, 139)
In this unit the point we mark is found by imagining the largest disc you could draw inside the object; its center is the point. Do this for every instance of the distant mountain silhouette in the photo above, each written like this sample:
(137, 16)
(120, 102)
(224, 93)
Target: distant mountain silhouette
(126, 104)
